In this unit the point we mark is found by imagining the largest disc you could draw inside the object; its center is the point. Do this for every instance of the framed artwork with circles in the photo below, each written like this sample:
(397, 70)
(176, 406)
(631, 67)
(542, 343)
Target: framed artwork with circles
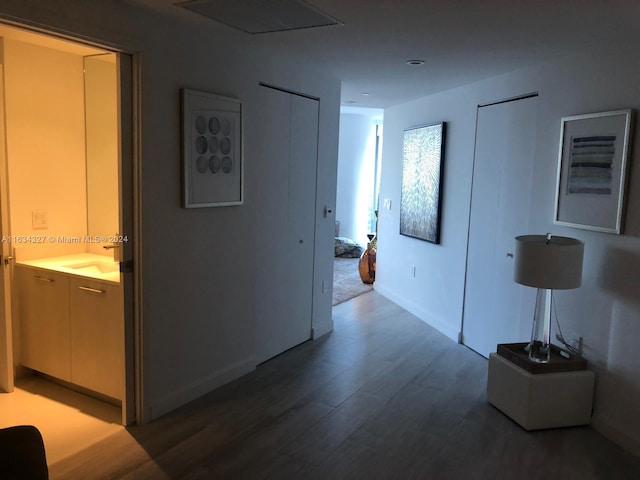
(213, 170)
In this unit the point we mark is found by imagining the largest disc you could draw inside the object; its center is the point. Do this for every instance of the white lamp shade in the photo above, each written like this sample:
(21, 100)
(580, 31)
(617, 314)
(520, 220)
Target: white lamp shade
(546, 261)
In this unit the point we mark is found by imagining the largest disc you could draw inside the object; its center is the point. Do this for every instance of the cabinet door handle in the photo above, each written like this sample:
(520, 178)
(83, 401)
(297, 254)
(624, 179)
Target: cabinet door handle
(44, 279)
(92, 290)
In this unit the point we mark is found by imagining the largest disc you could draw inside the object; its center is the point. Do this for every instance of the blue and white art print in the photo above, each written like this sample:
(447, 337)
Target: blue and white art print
(592, 171)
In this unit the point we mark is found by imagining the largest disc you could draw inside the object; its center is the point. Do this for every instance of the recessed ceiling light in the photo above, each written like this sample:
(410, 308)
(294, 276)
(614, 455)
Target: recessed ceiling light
(349, 102)
(365, 94)
(415, 62)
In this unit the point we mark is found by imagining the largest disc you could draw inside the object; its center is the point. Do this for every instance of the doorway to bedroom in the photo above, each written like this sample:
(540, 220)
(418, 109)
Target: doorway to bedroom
(359, 167)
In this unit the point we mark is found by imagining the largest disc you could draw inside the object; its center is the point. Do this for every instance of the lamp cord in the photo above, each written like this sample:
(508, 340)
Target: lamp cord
(560, 336)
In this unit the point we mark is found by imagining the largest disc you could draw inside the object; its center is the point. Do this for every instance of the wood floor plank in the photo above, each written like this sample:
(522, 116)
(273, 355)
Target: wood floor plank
(349, 381)
(320, 441)
(253, 456)
(351, 461)
(406, 369)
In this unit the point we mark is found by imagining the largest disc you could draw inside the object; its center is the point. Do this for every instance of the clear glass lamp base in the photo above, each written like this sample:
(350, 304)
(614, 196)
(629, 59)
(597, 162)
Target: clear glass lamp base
(540, 346)
(539, 352)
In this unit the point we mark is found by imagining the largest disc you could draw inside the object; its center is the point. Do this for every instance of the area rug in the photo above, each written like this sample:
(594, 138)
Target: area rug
(347, 283)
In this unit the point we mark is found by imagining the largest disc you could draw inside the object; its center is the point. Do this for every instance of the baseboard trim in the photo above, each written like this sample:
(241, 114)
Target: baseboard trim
(632, 445)
(451, 332)
(200, 387)
(321, 329)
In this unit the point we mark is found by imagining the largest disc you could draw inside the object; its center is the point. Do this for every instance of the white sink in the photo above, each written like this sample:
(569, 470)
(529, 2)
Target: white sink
(99, 267)
(95, 267)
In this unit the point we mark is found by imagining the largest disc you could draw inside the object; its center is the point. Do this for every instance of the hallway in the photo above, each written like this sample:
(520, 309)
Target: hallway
(384, 396)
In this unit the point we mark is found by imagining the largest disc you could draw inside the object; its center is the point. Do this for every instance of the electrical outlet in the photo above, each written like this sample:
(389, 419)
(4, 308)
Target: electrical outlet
(577, 343)
(413, 271)
(39, 219)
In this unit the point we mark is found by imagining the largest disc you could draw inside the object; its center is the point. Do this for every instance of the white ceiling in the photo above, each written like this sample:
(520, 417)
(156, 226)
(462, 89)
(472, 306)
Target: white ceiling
(461, 41)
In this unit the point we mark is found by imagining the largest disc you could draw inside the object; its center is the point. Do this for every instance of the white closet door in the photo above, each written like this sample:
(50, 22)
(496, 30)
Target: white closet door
(501, 195)
(289, 132)
(303, 157)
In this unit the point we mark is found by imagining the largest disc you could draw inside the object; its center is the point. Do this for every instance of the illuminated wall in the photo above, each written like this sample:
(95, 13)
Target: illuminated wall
(45, 147)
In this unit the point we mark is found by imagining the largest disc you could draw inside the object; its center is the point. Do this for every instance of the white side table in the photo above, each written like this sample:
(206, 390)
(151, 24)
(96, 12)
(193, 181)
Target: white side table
(543, 400)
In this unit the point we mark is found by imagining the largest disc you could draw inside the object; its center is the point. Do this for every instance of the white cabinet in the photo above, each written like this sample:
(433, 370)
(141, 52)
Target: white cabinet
(72, 328)
(97, 336)
(43, 298)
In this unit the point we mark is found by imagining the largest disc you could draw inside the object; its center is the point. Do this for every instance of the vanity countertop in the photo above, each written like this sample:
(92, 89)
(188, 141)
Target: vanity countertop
(91, 265)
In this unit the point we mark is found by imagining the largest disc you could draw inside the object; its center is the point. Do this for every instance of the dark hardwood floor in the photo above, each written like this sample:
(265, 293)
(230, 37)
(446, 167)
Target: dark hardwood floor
(382, 397)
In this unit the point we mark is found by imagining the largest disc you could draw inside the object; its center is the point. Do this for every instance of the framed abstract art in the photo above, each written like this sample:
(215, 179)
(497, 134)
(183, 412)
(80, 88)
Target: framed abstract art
(211, 150)
(592, 171)
(422, 163)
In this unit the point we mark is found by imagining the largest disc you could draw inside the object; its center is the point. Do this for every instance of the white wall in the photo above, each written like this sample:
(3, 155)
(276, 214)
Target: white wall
(101, 112)
(45, 146)
(356, 168)
(606, 309)
(198, 264)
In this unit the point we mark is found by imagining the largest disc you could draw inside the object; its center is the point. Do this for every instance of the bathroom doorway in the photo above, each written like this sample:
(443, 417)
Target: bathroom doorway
(66, 192)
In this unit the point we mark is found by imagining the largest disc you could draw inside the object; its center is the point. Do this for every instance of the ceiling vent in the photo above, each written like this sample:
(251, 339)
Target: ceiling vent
(261, 16)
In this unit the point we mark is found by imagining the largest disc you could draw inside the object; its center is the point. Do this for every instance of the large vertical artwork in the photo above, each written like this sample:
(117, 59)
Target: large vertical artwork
(422, 161)
(212, 153)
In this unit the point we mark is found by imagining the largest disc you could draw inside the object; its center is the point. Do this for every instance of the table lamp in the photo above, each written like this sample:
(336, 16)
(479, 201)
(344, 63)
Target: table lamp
(547, 262)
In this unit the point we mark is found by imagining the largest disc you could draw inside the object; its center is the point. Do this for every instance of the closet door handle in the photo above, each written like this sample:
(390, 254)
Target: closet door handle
(92, 290)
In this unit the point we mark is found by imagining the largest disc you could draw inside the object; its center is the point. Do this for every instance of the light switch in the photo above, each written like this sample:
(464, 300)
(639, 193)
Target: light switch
(39, 219)
(387, 203)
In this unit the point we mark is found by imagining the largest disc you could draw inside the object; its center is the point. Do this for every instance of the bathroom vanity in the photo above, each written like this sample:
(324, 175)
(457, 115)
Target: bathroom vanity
(70, 310)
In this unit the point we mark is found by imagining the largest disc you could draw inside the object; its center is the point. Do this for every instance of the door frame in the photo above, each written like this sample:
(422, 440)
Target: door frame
(7, 376)
(129, 108)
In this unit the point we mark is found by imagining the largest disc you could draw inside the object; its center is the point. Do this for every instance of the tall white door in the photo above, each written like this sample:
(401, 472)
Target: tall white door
(288, 162)
(501, 195)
